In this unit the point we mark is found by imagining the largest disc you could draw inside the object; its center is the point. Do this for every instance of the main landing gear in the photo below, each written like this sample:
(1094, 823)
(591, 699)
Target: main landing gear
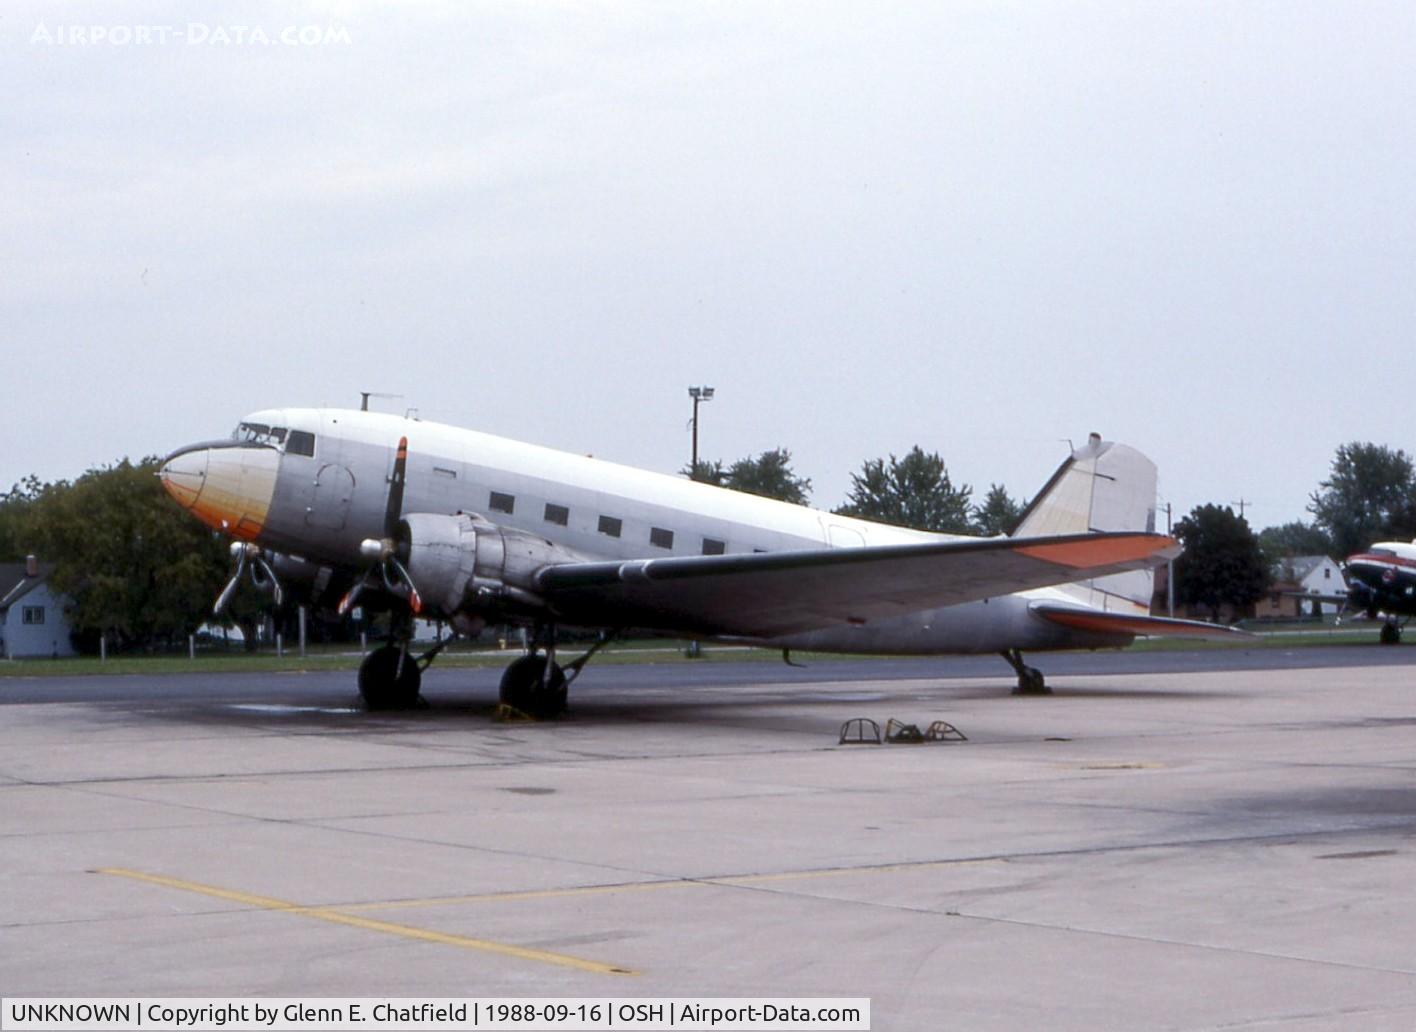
(390, 676)
(1030, 679)
(535, 684)
(1391, 633)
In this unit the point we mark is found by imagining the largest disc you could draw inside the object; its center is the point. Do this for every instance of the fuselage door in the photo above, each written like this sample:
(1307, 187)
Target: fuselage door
(334, 490)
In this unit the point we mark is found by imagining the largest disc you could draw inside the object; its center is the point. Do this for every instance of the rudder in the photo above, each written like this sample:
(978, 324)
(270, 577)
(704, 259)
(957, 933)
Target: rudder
(1101, 486)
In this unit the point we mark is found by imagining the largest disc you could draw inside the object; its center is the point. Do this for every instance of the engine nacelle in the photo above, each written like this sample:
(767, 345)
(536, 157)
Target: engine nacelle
(467, 563)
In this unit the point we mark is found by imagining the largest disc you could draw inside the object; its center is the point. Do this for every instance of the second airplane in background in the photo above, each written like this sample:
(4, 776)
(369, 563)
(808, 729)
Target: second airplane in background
(444, 523)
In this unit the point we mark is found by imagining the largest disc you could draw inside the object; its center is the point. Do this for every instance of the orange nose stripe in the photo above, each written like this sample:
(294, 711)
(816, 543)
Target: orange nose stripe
(228, 489)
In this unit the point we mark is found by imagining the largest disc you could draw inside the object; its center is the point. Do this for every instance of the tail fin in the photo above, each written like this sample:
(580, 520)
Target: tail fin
(1102, 486)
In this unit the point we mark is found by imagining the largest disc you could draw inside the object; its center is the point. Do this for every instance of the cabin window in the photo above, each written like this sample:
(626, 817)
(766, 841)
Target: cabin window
(714, 547)
(502, 503)
(611, 525)
(557, 514)
(33, 615)
(661, 538)
(301, 442)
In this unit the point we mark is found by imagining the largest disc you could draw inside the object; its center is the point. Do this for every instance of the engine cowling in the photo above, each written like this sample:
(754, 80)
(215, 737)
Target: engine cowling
(466, 563)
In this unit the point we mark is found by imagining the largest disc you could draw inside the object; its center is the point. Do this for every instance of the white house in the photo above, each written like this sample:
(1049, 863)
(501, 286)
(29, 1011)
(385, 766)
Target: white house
(1316, 575)
(32, 621)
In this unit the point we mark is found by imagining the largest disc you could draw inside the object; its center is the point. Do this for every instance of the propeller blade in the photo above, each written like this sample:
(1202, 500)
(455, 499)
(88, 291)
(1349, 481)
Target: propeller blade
(415, 601)
(394, 512)
(259, 563)
(347, 602)
(230, 588)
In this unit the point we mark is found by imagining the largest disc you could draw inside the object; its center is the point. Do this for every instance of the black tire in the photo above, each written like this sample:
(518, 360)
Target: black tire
(522, 688)
(1391, 634)
(1031, 682)
(383, 685)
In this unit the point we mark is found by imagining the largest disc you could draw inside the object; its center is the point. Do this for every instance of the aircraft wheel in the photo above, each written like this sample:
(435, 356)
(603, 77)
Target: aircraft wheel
(522, 688)
(1031, 682)
(1391, 634)
(383, 685)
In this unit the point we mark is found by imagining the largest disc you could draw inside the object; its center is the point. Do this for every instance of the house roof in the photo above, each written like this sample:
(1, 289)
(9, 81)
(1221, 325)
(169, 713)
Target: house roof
(1296, 567)
(1303, 565)
(14, 585)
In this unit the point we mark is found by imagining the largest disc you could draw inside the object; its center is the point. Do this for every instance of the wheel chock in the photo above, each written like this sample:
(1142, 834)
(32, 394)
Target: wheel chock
(943, 731)
(860, 731)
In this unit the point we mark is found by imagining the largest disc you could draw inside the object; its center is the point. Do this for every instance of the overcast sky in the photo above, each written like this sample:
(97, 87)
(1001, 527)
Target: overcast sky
(983, 228)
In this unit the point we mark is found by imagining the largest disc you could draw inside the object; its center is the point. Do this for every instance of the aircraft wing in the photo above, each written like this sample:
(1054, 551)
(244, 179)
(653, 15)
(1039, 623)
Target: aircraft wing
(767, 594)
(1082, 619)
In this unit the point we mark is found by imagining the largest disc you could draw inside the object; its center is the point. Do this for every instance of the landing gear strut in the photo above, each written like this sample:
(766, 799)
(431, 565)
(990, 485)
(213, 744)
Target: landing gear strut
(535, 684)
(389, 677)
(1030, 679)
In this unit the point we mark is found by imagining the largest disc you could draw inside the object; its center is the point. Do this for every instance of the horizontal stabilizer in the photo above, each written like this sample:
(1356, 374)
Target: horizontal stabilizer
(1126, 623)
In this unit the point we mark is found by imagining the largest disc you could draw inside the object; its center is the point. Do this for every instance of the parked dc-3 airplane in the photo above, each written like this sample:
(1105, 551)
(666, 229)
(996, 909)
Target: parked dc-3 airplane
(461, 526)
(1382, 580)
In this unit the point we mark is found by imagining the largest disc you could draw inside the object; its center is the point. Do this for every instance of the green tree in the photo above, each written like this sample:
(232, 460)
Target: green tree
(1291, 539)
(769, 475)
(16, 516)
(705, 472)
(1370, 495)
(135, 566)
(998, 514)
(911, 492)
(1222, 562)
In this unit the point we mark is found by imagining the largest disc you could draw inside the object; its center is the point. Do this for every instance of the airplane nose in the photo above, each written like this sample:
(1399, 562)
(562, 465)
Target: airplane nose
(228, 485)
(182, 475)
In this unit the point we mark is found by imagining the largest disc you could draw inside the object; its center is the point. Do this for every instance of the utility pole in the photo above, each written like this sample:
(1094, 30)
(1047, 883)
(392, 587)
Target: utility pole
(697, 394)
(1169, 571)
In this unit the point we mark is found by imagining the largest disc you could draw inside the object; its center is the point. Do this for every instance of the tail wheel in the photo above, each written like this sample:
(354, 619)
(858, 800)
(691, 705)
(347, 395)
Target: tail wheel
(527, 687)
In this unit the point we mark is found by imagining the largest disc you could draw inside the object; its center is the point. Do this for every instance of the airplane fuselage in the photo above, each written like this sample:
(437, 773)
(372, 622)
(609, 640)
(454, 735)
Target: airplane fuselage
(1383, 579)
(314, 483)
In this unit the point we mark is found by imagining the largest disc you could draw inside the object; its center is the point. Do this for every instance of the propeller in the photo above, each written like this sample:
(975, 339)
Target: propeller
(249, 560)
(387, 570)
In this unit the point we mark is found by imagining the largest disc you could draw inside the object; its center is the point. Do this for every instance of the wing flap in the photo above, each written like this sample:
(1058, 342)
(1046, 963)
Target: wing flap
(768, 594)
(1104, 622)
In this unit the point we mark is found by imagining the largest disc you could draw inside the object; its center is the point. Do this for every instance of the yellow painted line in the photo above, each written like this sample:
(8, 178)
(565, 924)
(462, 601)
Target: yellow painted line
(368, 924)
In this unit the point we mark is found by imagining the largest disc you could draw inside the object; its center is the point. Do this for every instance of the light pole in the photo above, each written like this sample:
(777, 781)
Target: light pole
(697, 394)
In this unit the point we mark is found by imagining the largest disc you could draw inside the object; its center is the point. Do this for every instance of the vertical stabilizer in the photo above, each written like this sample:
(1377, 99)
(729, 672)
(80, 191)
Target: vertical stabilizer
(1101, 486)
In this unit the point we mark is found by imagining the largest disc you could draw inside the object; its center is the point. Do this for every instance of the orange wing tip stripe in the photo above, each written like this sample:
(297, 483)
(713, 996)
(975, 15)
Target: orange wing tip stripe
(1099, 551)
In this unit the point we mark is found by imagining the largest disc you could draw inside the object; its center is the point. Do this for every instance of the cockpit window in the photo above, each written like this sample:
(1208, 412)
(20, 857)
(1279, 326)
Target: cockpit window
(1381, 551)
(301, 442)
(261, 433)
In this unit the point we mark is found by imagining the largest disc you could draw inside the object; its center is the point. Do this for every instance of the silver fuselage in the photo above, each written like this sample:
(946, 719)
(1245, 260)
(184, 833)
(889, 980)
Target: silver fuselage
(315, 484)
